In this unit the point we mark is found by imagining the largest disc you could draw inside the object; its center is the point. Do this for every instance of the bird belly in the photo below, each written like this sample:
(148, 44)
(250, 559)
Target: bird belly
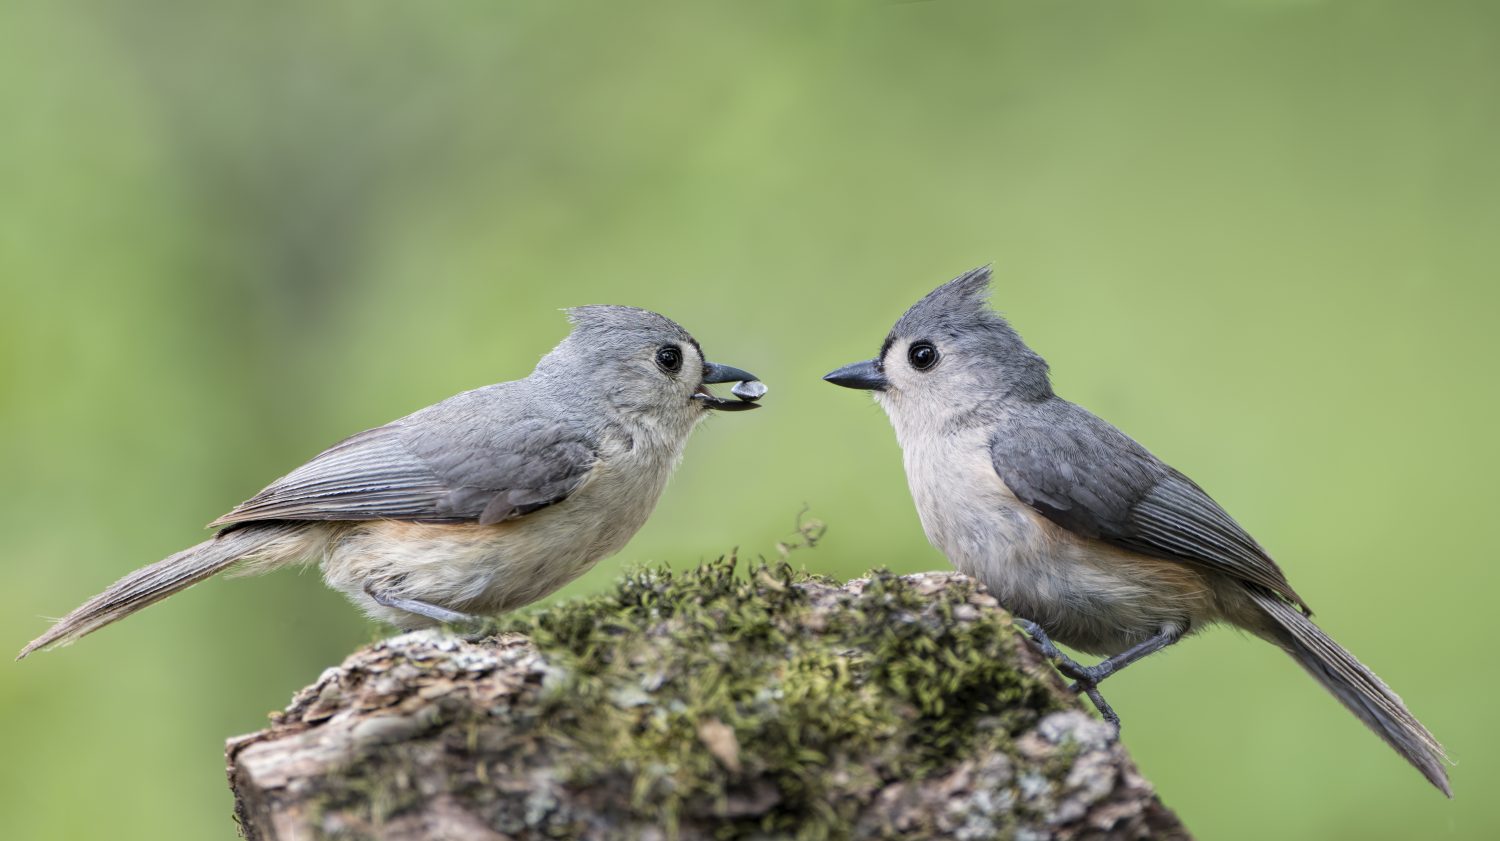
(1085, 593)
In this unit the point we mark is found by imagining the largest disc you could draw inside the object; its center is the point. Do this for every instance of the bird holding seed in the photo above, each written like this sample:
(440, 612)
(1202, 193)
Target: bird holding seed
(477, 505)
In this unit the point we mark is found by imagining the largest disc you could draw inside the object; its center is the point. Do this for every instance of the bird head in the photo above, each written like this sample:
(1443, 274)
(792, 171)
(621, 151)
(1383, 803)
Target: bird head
(640, 363)
(949, 352)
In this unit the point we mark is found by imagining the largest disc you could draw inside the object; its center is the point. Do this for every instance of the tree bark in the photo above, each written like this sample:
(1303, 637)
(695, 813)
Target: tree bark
(706, 705)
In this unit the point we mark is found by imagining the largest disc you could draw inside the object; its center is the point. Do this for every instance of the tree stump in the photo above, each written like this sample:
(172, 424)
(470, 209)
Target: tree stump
(702, 705)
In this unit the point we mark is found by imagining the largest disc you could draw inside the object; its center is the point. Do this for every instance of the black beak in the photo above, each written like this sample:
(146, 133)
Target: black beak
(744, 390)
(713, 372)
(865, 375)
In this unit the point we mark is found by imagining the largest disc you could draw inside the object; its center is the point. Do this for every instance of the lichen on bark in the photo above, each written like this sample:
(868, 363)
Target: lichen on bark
(702, 704)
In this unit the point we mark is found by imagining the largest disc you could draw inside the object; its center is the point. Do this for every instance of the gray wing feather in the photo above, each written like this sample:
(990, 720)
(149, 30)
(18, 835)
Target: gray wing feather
(448, 463)
(1088, 477)
(367, 476)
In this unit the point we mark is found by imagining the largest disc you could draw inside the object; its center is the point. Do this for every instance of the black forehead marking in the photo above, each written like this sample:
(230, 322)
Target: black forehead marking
(880, 357)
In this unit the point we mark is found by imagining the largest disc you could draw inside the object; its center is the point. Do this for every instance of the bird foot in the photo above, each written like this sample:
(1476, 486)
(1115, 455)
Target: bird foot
(1085, 678)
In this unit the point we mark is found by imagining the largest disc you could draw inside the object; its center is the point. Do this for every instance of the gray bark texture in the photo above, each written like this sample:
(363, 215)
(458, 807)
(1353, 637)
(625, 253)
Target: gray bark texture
(710, 704)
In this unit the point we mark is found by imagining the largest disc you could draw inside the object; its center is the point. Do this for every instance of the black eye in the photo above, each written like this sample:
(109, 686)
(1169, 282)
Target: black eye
(922, 355)
(669, 357)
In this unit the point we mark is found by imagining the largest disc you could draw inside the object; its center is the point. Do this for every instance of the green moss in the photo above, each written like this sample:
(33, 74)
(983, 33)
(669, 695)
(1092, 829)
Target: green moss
(738, 702)
(825, 705)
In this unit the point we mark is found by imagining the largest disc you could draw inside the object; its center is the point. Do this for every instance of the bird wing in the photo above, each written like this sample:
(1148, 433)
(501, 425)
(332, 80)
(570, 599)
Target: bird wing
(448, 475)
(1093, 480)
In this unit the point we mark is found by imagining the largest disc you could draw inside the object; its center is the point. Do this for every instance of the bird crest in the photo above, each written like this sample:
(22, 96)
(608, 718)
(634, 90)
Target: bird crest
(962, 301)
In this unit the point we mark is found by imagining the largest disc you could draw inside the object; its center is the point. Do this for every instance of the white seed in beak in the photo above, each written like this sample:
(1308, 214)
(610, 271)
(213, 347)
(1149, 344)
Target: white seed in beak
(751, 390)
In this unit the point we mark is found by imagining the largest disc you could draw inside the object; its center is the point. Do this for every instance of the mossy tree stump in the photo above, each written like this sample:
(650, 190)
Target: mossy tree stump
(702, 705)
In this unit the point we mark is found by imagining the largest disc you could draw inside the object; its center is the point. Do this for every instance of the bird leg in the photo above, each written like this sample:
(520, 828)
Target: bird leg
(1086, 679)
(1070, 668)
(420, 608)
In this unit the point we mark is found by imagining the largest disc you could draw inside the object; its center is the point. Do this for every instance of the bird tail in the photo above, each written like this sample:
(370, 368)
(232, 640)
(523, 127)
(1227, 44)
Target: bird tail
(268, 544)
(1356, 687)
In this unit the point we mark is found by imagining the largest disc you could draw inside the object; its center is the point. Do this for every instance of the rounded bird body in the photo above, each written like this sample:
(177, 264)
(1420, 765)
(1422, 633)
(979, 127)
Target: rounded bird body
(490, 569)
(1083, 534)
(476, 505)
(1095, 598)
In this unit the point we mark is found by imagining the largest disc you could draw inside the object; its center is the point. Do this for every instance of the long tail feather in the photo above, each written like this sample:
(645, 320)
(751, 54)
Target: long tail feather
(149, 585)
(1357, 688)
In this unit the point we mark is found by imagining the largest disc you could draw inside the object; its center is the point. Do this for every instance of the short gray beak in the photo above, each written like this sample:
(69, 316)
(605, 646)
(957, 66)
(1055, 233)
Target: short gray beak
(713, 372)
(864, 375)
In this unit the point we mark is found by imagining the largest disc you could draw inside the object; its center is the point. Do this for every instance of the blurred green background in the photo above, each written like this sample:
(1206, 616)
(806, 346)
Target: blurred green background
(1261, 237)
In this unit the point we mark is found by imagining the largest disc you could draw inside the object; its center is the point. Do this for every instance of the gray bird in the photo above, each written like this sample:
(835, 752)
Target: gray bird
(1084, 535)
(480, 504)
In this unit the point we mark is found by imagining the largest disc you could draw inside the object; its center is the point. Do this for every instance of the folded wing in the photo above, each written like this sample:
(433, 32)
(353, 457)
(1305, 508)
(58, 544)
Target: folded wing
(1088, 477)
(482, 474)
